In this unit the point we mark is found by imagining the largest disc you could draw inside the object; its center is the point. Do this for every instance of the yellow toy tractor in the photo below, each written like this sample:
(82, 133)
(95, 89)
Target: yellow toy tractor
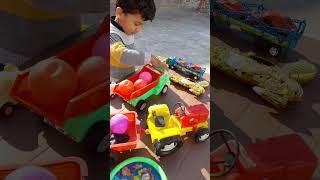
(166, 129)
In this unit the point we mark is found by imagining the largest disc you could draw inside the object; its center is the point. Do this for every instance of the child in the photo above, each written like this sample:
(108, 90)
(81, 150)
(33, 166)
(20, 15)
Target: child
(129, 19)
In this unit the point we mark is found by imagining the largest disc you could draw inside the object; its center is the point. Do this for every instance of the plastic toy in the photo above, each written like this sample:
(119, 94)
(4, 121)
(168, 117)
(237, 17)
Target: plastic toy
(119, 124)
(31, 173)
(192, 69)
(160, 84)
(273, 158)
(83, 117)
(70, 168)
(91, 72)
(146, 76)
(52, 81)
(196, 88)
(166, 129)
(276, 83)
(134, 132)
(138, 168)
(278, 32)
(7, 78)
(126, 87)
(99, 47)
(139, 84)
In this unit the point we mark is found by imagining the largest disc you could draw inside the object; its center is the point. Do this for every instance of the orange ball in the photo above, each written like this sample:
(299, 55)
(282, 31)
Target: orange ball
(139, 84)
(92, 72)
(126, 87)
(52, 81)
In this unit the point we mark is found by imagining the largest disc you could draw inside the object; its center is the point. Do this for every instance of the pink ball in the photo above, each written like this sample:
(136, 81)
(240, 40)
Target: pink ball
(119, 124)
(146, 76)
(31, 173)
(101, 46)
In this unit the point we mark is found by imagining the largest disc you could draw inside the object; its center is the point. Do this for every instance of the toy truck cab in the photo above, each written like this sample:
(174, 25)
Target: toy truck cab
(166, 129)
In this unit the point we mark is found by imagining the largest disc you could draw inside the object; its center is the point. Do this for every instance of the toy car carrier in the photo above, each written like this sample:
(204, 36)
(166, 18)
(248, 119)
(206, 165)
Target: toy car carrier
(192, 69)
(278, 32)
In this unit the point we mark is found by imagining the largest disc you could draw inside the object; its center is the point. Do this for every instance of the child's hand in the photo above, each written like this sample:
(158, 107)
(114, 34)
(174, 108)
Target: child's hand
(112, 86)
(158, 63)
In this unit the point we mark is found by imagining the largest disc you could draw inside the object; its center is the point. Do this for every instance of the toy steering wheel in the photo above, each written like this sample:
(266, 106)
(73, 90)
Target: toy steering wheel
(223, 165)
(182, 109)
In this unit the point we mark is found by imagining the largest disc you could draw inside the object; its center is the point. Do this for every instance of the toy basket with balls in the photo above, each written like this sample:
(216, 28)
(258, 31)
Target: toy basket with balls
(139, 87)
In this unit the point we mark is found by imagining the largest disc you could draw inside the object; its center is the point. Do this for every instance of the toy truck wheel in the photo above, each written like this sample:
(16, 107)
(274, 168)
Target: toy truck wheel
(97, 138)
(202, 135)
(164, 89)
(7, 109)
(274, 50)
(141, 105)
(167, 145)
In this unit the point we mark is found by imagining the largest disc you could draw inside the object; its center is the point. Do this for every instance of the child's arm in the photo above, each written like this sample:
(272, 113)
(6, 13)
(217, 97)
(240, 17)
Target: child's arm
(121, 55)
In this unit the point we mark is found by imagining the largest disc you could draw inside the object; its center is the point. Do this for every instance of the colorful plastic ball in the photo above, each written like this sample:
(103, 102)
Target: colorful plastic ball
(92, 72)
(31, 173)
(139, 84)
(146, 76)
(125, 87)
(119, 124)
(101, 46)
(52, 81)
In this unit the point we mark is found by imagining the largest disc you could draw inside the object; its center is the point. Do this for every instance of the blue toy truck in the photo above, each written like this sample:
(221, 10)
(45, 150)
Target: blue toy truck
(191, 69)
(247, 18)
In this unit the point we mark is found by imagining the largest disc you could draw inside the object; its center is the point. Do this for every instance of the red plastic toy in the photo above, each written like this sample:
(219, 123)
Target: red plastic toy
(70, 168)
(285, 157)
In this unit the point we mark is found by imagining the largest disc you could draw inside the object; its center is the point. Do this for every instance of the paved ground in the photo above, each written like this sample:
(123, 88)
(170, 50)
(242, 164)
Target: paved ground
(238, 108)
(177, 32)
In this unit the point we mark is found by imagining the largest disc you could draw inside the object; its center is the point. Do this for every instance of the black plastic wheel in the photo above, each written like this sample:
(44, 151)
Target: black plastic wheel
(141, 105)
(97, 138)
(7, 110)
(168, 145)
(202, 135)
(274, 50)
(164, 89)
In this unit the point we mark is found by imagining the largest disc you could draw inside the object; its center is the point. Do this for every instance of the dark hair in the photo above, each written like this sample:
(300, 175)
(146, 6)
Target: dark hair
(146, 8)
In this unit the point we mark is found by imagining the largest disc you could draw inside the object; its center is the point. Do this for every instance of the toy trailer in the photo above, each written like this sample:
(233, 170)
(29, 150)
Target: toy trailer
(134, 132)
(192, 69)
(70, 168)
(83, 117)
(276, 39)
(160, 84)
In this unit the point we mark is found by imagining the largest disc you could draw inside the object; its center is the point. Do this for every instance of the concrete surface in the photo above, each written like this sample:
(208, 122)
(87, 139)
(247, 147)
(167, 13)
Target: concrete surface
(239, 109)
(177, 32)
